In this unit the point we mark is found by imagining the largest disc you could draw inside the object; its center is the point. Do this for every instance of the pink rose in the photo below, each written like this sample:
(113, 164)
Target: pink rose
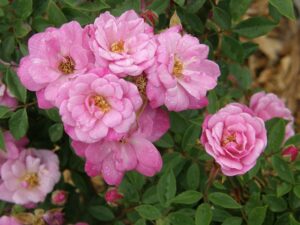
(182, 74)
(268, 106)
(30, 177)
(55, 56)
(6, 97)
(134, 152)
(5, 220)
(124, 44)
(235, 138)
(93, 108)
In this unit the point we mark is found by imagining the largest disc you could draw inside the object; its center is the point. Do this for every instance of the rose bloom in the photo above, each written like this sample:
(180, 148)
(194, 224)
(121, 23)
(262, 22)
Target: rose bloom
(59, 197)
(268, 106)
(135, 151)
(112, 196)
(30, 177)
(235, 138)
(55, 56)
(291, 152)
(5, 220)
(182, 74)
(93, 108)
(6, 97)
(124, 44)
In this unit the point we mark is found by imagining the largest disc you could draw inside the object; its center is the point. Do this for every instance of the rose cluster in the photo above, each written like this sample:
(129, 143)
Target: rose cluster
(108, 81)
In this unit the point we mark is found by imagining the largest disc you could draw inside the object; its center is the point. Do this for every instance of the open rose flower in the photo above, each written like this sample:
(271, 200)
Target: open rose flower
(5, 220)
(6, 97)
(182, 74)
(268, 106)
(235, 138)
(55, 56)
(30, 177)
(125, 44)
(93, 108)
(134, 152)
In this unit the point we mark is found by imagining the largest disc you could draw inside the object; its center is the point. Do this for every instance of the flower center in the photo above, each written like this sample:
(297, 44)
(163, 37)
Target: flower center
(67, 66)
(101, 103)
(30, 180)
(178, 68)
(117, 47)
(228, 139)
(141, 83)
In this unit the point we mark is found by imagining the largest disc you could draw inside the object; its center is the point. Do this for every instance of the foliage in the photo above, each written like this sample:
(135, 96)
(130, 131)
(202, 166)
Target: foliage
(183, 192)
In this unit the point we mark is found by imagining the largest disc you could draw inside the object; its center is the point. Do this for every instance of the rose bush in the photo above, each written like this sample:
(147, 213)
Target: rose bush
(141, 112)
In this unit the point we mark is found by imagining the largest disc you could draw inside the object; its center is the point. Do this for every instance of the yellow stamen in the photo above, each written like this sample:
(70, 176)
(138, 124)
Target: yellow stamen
(141, 83)
(228, 139)
(178, 68)
(101, 103)
(31, 180)
(117, 47)
(67, 66)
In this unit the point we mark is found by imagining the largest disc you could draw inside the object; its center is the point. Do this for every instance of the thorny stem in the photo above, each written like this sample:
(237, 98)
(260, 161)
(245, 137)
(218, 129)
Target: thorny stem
(7, 63)
(26, 105)
(212, 175)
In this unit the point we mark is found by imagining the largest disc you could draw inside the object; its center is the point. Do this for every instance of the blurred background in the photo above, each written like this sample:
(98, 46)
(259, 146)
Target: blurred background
(276, 66)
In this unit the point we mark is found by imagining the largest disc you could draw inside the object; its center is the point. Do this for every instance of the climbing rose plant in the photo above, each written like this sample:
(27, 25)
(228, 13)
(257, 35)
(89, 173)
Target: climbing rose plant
(141, 112)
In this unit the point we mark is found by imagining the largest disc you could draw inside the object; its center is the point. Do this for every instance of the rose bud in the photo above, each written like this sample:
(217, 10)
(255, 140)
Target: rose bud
(112, 196)
(291, 152)
(59, 197)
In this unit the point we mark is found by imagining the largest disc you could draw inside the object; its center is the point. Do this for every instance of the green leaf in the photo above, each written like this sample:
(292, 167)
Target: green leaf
(233, 221)
(242, 75)
(276, 204)
(136, 179)
(190, 137)
(282, 169)
(159, 6)
(2, 141)
(8, 47)
(56, 132)
(293, 221)
(276, 133)
(4, 111)
(193, 176)
(296, 190)
(219, 215)
(195, 6)
(140, 222)
(21, 29)
(40, 24)
(285, 7)
(165, 141)
(179, 2)
(238, 8)
(222, 18)
(127, 5)
(150, 195)
(95, 6)
(187, 197)
(254, 27)
(52, 114)
(203, 214)
(295, 140)
(166, 187)
(148, 212)
(14, 85)
(283, 189)
(257, 215)
(213, 104)
(23, 8)
(179, 218)
(4, 2)
(223, 200)
(190, 21)
(101, 213)
(55, 15)
(232, 49)
(18, 123)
